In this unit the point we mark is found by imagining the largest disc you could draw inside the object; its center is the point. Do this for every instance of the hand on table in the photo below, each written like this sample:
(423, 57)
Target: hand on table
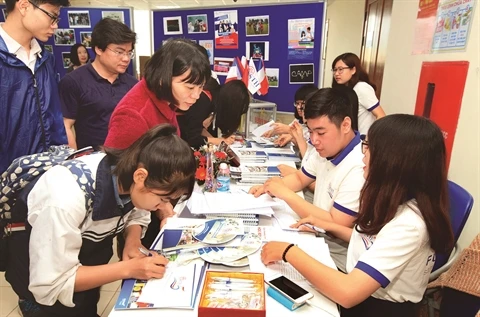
(276, 188)
(272, 251)
(286, 169)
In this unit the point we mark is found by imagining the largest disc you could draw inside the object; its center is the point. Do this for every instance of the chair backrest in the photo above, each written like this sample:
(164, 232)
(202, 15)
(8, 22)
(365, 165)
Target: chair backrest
(461, 203)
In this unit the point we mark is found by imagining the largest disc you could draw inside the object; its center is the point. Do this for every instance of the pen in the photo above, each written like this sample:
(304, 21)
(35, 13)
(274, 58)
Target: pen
(144, 252)
(232, 280)
(317, 229)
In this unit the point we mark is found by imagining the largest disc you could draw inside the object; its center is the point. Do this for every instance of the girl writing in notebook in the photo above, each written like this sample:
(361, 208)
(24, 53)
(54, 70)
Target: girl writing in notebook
(58, 266)
(402, 222)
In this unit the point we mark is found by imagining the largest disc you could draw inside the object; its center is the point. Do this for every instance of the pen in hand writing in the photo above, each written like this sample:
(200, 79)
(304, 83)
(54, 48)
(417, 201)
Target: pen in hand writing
(144, 252)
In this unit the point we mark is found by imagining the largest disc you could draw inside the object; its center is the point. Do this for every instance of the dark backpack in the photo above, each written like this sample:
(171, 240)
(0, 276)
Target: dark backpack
(20, 177)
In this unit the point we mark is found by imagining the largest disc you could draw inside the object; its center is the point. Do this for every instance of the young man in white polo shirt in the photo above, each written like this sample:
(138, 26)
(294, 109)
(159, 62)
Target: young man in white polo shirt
(337, 169)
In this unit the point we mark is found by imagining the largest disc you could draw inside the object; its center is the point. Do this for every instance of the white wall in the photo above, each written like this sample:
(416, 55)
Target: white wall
(345, 18)
(399, 91)
(141, 25)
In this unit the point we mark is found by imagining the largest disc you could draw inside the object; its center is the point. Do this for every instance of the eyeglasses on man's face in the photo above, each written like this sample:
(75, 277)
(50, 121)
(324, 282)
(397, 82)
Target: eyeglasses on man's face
(55, 18)
(339, 69)
(363, 137)
(129, 54)
(300, 105)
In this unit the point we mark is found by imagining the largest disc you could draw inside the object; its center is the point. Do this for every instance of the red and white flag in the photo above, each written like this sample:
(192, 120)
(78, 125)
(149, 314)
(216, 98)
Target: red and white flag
(262, 78)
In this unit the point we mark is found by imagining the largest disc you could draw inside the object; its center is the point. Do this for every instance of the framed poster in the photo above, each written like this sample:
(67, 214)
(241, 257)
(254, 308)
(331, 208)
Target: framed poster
(197, 24)
(78, 19)
(172, 25)
(301, 73)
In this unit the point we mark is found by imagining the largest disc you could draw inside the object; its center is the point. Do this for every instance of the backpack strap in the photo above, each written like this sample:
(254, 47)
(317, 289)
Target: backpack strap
(85, 181)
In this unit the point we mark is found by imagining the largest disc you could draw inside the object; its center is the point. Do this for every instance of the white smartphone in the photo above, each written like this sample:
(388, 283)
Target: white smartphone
(295, 293)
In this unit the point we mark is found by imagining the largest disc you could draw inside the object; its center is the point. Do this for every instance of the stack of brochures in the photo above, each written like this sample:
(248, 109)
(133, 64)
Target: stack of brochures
(249, 155)
(254, 174)
(291, 157)
(232, 205)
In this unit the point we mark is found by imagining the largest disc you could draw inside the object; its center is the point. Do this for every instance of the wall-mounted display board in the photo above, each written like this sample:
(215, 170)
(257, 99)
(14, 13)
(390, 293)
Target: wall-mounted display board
(287, 36)
(76, 26)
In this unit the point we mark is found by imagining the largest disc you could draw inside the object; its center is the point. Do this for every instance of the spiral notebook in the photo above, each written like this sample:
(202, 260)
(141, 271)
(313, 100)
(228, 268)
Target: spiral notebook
(248, 219)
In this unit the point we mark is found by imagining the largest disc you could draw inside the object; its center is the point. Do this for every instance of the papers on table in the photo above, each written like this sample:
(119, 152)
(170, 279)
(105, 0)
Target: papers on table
(237, 202)
(259, 131)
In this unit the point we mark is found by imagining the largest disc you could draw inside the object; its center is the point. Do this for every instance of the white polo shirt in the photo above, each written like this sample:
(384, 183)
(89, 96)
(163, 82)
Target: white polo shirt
(310, 153)
(399, 257)
(338, 184)
(367, 102)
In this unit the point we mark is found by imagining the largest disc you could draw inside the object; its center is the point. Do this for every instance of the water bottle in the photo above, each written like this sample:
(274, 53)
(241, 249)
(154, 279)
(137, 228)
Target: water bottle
(223, 178)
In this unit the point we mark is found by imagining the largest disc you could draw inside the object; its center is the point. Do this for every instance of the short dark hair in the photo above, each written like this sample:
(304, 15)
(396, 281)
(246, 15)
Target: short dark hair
(231, 103)
(176, 57)
(352, 60)
(168, 159)
(109, 31)
(353, 99)
(301, 94)
(10, 4)
(74, 54)
(407, 161)
(328, 102)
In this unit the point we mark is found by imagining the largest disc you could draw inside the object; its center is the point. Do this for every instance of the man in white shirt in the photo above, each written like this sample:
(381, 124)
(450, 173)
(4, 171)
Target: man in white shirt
(30, 115)
(337, 170)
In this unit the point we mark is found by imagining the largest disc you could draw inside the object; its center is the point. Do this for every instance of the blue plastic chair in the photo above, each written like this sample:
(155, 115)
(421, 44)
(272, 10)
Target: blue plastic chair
(461, 203)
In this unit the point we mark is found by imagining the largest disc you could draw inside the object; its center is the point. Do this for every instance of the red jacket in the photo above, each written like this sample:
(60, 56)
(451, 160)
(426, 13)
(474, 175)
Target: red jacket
(137, 112)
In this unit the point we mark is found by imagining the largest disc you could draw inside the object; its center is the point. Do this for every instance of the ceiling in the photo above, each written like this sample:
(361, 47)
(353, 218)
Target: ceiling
(175, 4)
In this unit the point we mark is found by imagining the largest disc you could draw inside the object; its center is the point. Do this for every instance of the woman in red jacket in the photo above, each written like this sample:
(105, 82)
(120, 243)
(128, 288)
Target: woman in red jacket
(174, 79)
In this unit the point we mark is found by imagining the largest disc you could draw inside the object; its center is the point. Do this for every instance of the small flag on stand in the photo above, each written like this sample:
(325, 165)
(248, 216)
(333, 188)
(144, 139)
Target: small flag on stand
(251, 72)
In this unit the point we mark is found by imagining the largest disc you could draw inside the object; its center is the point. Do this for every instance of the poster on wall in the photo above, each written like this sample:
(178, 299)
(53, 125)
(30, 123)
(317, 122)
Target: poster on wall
(226, 26)
(115, 15)
(301, 38)
(221, 65)
(257, 50)
(197, 23)
(86, 39)
(257, 26)
(172, 26)
(425, 26)
(79, 19)
(208, 45)
(301, 73)
(273, 76)
(64, 37)
(454, 20)
(66, 59)
(439, 96)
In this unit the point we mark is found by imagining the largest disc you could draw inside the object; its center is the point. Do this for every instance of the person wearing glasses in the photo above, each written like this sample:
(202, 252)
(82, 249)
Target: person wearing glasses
(336, 168)
(30, 115)
(347, 70)
(402, 222)
(90, 93)
(69, 244)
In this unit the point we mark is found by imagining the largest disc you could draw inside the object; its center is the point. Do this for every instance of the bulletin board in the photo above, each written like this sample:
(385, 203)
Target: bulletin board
(281, 17)
(75, 26)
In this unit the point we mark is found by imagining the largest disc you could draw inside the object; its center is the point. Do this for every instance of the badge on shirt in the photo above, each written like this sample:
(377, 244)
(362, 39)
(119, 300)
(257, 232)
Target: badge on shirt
(368, 240)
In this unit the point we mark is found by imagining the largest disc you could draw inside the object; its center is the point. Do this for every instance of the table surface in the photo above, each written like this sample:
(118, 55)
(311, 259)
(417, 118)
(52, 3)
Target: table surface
(321, 306)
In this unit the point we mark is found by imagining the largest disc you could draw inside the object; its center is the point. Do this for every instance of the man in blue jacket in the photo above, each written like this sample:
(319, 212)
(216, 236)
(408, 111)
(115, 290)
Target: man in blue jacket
(30, 115)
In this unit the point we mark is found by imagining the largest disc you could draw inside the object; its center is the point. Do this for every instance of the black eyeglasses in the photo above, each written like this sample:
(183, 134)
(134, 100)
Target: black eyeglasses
(363, 137)
(339, 69)
(55, 18)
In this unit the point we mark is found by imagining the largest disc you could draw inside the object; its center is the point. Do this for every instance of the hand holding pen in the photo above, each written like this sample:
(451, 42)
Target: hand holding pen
(151, 265)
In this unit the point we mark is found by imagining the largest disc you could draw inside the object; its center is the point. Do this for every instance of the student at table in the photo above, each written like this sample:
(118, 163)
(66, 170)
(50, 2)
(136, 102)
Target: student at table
(58, 266)
(403, 220)
(337, 169)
